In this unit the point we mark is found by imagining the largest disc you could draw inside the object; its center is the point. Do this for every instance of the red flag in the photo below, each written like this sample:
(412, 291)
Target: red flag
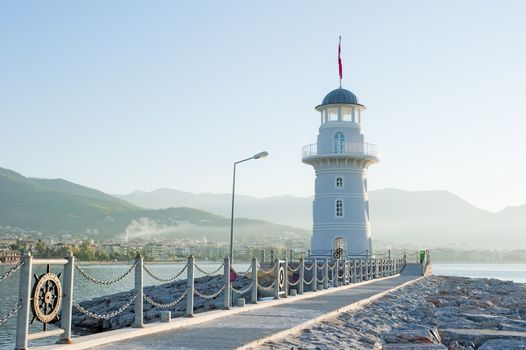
(340, 68)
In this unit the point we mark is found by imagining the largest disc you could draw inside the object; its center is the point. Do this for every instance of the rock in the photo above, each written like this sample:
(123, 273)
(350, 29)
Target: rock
(400, 346)
(501, 344)
(412, 334)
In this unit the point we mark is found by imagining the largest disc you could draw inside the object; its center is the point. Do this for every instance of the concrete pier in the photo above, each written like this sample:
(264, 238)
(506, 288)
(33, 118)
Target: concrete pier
(244, 327)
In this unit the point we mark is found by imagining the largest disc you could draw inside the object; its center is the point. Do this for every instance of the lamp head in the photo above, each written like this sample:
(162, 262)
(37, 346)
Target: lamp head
(260, 155)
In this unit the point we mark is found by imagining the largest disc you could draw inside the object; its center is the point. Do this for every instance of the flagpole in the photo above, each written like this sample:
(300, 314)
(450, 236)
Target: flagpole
(340, 61)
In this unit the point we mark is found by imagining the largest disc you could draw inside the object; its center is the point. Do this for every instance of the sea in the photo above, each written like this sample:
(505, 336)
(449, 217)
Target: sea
(84, 289)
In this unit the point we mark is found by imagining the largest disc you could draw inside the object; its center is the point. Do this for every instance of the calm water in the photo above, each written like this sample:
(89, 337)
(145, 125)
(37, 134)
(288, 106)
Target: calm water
(507, 272)
(86, 290)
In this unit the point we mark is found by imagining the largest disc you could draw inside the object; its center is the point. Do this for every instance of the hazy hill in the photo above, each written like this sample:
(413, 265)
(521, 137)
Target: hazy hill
(431, 218)
(59, 206)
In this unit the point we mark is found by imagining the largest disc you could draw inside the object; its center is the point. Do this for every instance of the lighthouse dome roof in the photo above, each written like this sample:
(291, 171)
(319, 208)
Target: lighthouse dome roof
(340, 96)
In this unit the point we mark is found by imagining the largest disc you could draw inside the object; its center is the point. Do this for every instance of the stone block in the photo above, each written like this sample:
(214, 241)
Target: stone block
(293, 292)
(166, 316)
(240, 302)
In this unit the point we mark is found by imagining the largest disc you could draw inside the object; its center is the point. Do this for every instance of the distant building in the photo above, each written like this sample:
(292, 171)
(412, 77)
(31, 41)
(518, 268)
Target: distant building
(340, 159)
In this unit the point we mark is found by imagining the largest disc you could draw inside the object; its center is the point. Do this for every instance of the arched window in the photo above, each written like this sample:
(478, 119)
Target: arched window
(339, 142)
(339, 208)
(339, 182)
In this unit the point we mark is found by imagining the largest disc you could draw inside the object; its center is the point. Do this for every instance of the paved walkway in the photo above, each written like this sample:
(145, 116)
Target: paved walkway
(234, 331)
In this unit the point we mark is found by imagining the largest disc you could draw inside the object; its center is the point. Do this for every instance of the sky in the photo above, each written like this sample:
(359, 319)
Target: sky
(127, 95)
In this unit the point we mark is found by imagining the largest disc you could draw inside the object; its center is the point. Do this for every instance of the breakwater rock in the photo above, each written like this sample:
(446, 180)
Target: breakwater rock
(162, 294)
(436, 312)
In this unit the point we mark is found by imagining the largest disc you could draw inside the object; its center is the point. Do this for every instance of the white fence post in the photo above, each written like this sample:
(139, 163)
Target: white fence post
(254, 280)
(139, 290)
(286, 277)
(227, 292)
(67, 303)
(302, 275)
(276, 278)
(190, 287)
(326, 274)
(24, 295)
(315, 274)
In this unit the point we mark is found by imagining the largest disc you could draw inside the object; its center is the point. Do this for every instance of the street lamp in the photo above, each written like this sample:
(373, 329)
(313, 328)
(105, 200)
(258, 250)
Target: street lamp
(255, 156)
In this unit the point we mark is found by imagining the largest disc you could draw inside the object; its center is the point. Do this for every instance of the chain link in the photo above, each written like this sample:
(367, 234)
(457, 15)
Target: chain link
(101, 282)
(243, 291)
(319, 281)
(164, 280)
(211, 296)
(104, 316)
(308, 268)
(209, 273)
(333, 266)
(311, 280)
(11, 271)
(271, 287)
(164, 306)
(293, 270)
(266, 272)
(9, 314)
(294, 283)
(245, 274)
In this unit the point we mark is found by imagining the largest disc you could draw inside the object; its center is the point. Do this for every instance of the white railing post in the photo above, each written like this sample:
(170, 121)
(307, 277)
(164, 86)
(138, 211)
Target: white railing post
(345, 272)
(190, 287)
(67, 301)
(24, 296)
(302, 275)
(276, 278)
(286, 277)
(361, 270)
(315, 274)
(326, 274)
(139, 323)
(227, 292)
(254, 280)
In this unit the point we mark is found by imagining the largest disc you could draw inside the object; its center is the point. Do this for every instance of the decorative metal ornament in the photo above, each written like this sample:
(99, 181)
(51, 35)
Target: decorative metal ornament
(281, 277)
(46, 298)
(338, 253)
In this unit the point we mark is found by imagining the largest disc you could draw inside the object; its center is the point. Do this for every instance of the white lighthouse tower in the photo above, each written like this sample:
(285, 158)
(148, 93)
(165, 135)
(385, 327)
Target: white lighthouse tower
(340, 159)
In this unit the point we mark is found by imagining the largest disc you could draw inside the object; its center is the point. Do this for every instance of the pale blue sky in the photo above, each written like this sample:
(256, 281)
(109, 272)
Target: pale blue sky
(125, 95)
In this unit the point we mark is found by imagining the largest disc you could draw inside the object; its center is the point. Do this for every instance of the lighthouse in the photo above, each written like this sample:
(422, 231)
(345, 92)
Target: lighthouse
(340, 159)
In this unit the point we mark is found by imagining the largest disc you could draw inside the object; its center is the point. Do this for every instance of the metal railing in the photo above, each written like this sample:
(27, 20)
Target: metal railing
(282, 277)
(348, 148)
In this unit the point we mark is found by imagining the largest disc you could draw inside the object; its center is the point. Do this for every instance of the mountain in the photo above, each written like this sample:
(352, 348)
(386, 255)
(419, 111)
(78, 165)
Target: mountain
(59, 206)
(285, 210)
(429, 218)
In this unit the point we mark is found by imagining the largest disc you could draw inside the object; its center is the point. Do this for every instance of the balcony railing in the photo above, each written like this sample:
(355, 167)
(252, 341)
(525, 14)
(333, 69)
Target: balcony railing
(367, 149)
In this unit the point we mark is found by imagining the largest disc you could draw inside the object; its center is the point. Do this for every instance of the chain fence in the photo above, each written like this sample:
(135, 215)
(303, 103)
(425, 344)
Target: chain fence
(11, 271)
(164, 280)
(267, 288)
(243, 291)
(104, 316)
(209, 296)
(102, 282)
(9, 314)
(209, 273)
(293, 270)
(167, 305)
(266, 272)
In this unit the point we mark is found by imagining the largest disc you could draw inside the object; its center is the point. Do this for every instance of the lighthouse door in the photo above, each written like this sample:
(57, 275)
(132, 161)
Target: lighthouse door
(339, 246)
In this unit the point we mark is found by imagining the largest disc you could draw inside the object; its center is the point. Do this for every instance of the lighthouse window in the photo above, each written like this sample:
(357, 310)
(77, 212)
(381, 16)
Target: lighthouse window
(333, 114)
(339, 142)
(339, 208)
(339, 182)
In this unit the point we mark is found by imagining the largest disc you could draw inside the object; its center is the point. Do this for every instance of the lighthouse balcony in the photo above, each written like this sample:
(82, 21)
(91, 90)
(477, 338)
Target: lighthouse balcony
(345, 150)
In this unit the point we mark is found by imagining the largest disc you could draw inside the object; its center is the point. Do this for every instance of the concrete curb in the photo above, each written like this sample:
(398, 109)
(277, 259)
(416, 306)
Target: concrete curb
(89, 341)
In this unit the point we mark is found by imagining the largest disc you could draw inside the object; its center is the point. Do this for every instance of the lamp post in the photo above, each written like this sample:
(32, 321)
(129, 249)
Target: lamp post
(255, 156)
